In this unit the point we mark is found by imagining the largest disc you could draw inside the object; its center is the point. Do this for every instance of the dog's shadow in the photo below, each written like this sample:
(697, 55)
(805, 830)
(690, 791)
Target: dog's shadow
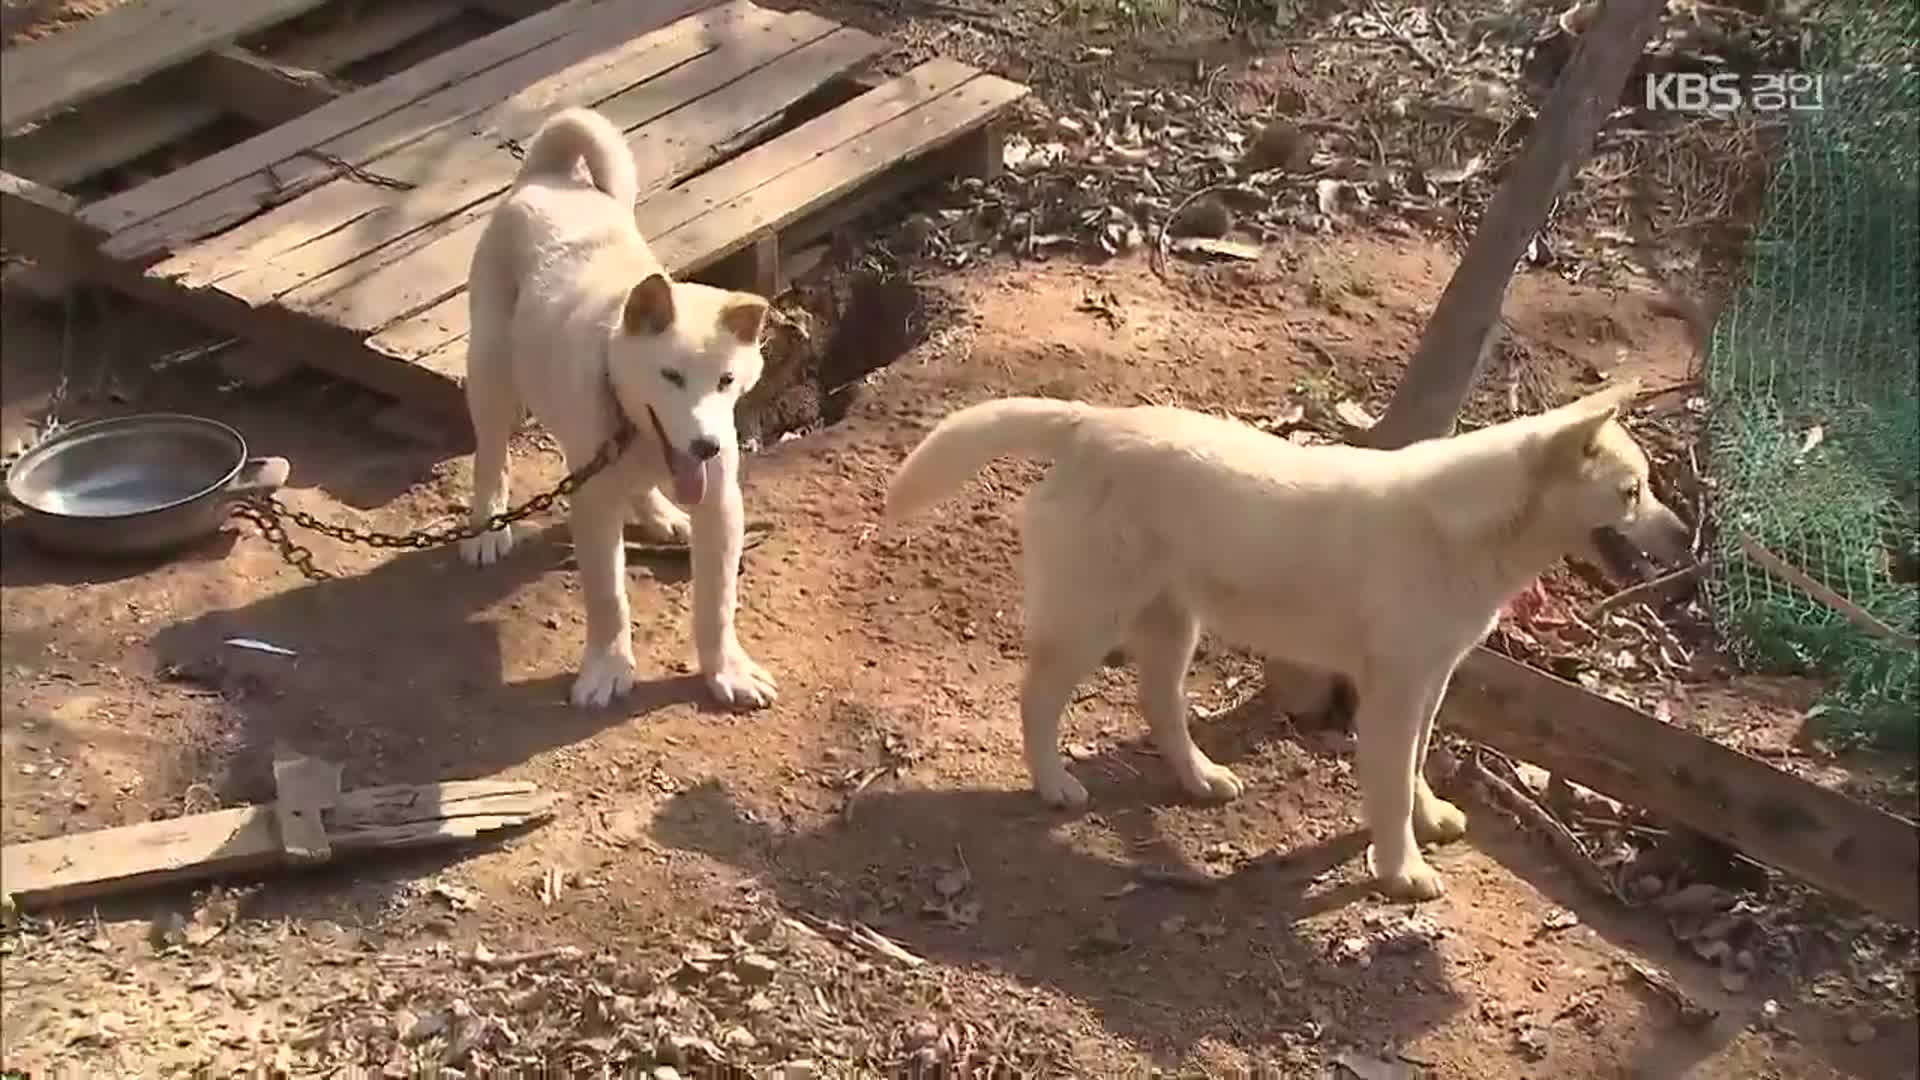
(1168, 958)
(402, 671)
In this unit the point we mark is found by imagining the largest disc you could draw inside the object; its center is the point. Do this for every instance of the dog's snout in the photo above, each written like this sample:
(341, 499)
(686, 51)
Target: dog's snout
(703, 448)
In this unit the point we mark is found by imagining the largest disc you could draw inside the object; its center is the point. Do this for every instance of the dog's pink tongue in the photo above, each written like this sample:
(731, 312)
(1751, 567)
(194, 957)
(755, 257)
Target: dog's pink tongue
(689, 479)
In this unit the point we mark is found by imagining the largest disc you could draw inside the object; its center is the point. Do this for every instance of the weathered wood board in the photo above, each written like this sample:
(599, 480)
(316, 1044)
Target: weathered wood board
(1818, 835)
(342, 236)
(312, 822)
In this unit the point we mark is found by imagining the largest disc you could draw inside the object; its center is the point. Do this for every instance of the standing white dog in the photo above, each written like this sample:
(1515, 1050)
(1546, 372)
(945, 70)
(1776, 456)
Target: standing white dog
(574, 318)
(1385, 566)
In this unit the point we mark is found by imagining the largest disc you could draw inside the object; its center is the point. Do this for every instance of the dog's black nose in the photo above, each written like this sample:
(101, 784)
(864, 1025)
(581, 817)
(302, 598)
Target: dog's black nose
(703, 448)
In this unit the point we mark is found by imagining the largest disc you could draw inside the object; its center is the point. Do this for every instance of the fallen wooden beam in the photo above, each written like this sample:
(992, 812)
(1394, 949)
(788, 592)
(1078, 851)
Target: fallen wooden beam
(1818, 835)
(311, 822)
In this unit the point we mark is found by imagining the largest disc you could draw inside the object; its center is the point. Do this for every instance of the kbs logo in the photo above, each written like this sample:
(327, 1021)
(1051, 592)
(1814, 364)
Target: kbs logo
(1725, 92)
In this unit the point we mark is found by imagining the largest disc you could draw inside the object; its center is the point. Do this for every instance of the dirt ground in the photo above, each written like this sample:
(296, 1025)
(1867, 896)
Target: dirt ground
(884, 789)
(856, 882)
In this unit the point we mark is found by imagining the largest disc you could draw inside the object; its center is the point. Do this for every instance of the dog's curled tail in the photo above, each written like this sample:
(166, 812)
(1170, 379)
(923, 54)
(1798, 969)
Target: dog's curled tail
(572, 134)
(963, 443)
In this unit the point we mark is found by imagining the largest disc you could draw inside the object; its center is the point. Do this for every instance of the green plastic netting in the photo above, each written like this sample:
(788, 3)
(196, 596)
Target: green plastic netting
(1813, 383)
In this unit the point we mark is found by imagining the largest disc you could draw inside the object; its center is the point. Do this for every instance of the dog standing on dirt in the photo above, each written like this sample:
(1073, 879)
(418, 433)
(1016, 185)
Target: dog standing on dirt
(1384, 566)
(574, 318)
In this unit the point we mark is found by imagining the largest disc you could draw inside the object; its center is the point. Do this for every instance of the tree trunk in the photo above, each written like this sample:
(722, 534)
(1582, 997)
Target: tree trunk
(1453, 348)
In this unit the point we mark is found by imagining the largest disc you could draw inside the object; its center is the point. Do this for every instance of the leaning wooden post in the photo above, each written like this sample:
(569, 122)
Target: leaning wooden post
(1453, 347)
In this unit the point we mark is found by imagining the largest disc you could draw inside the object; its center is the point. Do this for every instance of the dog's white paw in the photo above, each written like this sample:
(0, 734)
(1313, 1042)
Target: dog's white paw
(1213, 783)
(1412, 880)
(1437, 821)
(604, 675)
(487, 548)
(1060, 790)
(661, 522)
(740, 683)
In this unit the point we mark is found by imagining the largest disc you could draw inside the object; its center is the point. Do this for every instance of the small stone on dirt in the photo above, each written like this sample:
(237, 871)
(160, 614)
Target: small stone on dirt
(953, 882)
(1860, 1033)
(1368, 1067)
(753, 969)
(1560, 919)
(1280, 145)
(1204, 217)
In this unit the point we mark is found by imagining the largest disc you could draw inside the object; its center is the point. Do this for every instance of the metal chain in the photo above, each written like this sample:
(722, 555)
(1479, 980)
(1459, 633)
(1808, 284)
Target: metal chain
(267, 511)
(50, 423)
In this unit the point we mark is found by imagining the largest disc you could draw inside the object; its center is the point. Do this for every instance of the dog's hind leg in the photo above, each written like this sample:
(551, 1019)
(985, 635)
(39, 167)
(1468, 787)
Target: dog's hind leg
(494, 404)
(1388, 729)
(1435, 820)
(1163, 641)
(1076, 608)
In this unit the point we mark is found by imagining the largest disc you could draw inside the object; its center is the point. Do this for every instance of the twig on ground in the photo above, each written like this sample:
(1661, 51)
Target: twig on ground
(1692, 1013)
(1799, 578)
(1189, 880)
(1536, 817)
(1405, 39)
(1660, 587)
(863, 937)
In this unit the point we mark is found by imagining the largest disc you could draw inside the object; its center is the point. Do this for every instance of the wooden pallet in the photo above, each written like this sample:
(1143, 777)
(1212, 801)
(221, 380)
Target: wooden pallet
(341, 237)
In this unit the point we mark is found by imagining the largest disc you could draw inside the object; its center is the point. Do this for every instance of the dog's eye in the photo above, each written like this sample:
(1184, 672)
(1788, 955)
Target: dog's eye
(726, 382)
(1630, 491)
(674, 377)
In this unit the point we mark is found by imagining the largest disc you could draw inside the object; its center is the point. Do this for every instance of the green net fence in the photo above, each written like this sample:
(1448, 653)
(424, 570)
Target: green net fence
(1814, 387)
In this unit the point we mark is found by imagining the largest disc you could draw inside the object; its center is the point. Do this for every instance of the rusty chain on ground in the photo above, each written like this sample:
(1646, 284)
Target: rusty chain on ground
(268, 512)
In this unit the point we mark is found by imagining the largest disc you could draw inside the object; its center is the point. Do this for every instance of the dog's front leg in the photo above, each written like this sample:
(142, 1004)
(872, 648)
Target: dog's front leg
(719, 537)
(597, 521)
(1389, 722)
(1435, 820)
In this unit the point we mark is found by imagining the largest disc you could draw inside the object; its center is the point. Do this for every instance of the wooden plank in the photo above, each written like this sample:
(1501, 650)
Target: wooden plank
(122, 47)
(132, 122)
(724, 229)
(375, 29)
(676, 144)
(420, 336)
(105, 134)
(265, 91)
(247, 840)
(224, 187)
(452, 170)
(304, 789)
(1818, 835)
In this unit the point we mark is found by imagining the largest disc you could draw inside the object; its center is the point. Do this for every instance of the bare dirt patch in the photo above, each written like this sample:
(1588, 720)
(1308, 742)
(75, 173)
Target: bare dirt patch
(885, 790)
(857, 882)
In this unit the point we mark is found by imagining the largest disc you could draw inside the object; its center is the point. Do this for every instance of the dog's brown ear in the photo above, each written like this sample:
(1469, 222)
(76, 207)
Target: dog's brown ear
(743, 316)
(649, 307)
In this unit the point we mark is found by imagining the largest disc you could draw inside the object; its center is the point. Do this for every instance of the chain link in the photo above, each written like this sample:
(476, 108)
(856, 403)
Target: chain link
(267, 511)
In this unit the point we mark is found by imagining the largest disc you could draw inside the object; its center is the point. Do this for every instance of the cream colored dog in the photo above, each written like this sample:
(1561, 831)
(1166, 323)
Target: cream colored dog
(573, 318)
(1385, 566)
